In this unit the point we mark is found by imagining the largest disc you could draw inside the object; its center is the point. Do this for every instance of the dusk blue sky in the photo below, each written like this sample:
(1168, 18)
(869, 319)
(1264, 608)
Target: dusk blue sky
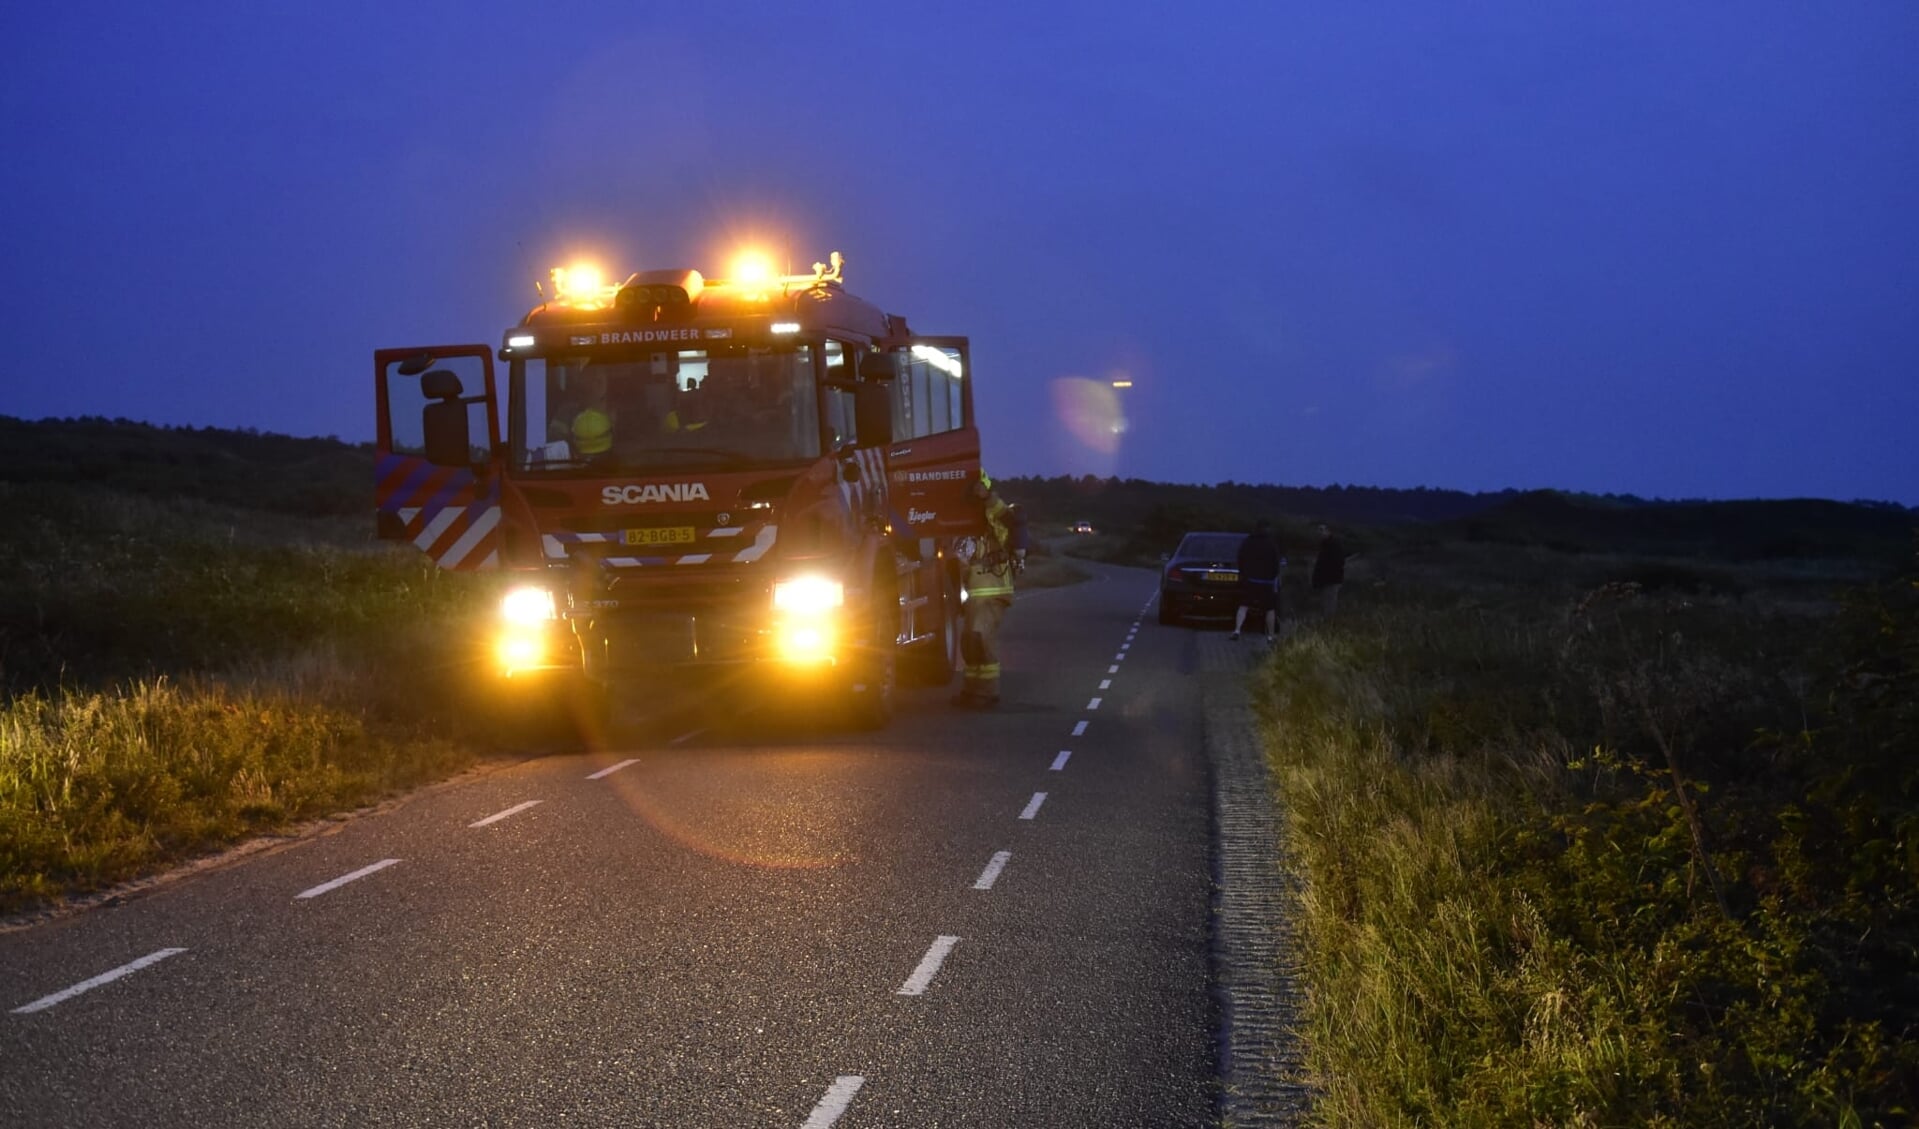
(1662, 249)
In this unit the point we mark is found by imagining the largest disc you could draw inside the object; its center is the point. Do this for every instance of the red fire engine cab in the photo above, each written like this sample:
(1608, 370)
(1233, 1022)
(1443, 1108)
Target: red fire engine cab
(760, 476)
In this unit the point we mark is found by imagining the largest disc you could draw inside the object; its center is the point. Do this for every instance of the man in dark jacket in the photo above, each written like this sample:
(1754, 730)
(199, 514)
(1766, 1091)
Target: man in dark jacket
(1259, 563)
(1329, 571)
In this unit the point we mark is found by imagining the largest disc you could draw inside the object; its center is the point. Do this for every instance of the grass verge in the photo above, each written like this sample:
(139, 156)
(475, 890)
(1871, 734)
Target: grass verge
(100, 787)
(1579, 852)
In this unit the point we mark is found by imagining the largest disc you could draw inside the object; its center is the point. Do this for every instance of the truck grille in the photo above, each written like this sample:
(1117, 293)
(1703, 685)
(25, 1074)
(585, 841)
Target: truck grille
(639, 640)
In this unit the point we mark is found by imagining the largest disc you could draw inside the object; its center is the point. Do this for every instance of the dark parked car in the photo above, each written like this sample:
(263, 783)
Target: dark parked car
(1201, 577)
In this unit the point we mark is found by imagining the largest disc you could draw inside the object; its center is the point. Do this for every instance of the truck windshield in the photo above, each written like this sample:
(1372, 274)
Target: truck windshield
(632, 411)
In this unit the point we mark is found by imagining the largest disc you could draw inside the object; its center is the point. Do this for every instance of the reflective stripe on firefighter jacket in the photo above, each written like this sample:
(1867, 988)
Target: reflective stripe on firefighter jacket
(989, 559)
(989, 593)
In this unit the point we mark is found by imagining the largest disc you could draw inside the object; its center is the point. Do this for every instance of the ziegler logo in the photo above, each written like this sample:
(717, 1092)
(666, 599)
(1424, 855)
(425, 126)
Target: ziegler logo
(655, 492)
(916, 517)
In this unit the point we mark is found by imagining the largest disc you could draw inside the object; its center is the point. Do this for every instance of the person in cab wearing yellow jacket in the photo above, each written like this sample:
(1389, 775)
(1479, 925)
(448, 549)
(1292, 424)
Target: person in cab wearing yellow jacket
(991, 560)
(592, 426)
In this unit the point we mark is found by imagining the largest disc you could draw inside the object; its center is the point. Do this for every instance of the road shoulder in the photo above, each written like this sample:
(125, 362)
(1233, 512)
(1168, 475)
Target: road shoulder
(1262, 1060)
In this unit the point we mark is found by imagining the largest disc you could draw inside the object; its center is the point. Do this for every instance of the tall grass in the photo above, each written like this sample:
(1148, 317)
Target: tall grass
(179, 675)
(96, 787)
(1576, 852)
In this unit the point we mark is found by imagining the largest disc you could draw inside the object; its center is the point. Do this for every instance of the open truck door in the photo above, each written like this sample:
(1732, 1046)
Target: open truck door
(933, 458)
(436, 464)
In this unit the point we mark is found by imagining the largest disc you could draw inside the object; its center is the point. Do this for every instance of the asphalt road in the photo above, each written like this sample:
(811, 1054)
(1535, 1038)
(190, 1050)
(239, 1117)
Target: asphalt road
(967, 919)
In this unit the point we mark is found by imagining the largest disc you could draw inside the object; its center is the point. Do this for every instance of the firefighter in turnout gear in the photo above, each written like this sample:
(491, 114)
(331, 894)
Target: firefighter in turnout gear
(991, 561)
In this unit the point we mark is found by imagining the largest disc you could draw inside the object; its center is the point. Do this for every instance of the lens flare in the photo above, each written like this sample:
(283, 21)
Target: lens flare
(1090, 411)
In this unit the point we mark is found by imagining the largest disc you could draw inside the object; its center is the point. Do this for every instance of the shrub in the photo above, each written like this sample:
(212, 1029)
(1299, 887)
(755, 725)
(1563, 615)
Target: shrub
(1613, 856)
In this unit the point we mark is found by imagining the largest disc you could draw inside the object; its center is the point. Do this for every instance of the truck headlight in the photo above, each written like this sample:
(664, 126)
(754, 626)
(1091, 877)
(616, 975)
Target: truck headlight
(808, 595)
(527, 604)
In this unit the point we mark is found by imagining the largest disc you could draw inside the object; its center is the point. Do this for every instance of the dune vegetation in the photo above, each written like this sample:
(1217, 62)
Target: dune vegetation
(1602, 840)
(182, 674)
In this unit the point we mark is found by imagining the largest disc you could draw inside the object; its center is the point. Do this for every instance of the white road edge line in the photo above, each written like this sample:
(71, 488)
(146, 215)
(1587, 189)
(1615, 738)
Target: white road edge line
(1059, 761)
(929, 964)
(991, 874)
(345, 878)
(1080, 729)
(838, 1096)
(1032, 805)
(45, 1002)
(611, 769)
(499, 815)
(686, 736)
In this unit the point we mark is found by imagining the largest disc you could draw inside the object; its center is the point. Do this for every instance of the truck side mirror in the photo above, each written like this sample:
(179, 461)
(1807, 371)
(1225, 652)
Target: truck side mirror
(443, 420)
(873, 413)
(880, 367)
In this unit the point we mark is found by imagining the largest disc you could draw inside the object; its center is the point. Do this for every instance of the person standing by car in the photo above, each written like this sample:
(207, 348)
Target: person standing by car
(1329, 571)
(1258, 578)
(991, 561)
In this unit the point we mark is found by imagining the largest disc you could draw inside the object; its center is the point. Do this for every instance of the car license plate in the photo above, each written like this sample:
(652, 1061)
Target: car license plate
(1228, 576)
(665, 535)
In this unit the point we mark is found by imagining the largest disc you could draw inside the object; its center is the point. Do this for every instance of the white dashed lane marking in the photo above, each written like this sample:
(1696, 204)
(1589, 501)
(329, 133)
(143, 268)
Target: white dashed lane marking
(1112, 670)
(991, 874)
(1059, 761)
(1106, 684)
(611, 769)
(499, 815)
(345, 878)
(1093, 705)
(838, 1096)
(1079, 730)
(1032, 805)
(917, 983)
(45, 1002)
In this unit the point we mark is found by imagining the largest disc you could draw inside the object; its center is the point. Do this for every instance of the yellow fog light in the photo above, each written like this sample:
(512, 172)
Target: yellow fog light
(805, 642)
(808, 595)
(527, 604)
(517, 650)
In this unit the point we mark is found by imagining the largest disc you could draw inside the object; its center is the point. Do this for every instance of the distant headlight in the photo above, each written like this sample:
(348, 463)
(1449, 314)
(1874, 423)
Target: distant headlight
(528, 604)
(808, 595)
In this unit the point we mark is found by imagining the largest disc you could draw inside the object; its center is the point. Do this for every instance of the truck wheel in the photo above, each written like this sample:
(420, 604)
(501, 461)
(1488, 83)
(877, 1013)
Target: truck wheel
(869, 696)
(871, 699)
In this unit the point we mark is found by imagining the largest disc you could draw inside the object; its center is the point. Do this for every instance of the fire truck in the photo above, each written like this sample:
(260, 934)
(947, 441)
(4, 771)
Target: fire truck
(689, 483)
